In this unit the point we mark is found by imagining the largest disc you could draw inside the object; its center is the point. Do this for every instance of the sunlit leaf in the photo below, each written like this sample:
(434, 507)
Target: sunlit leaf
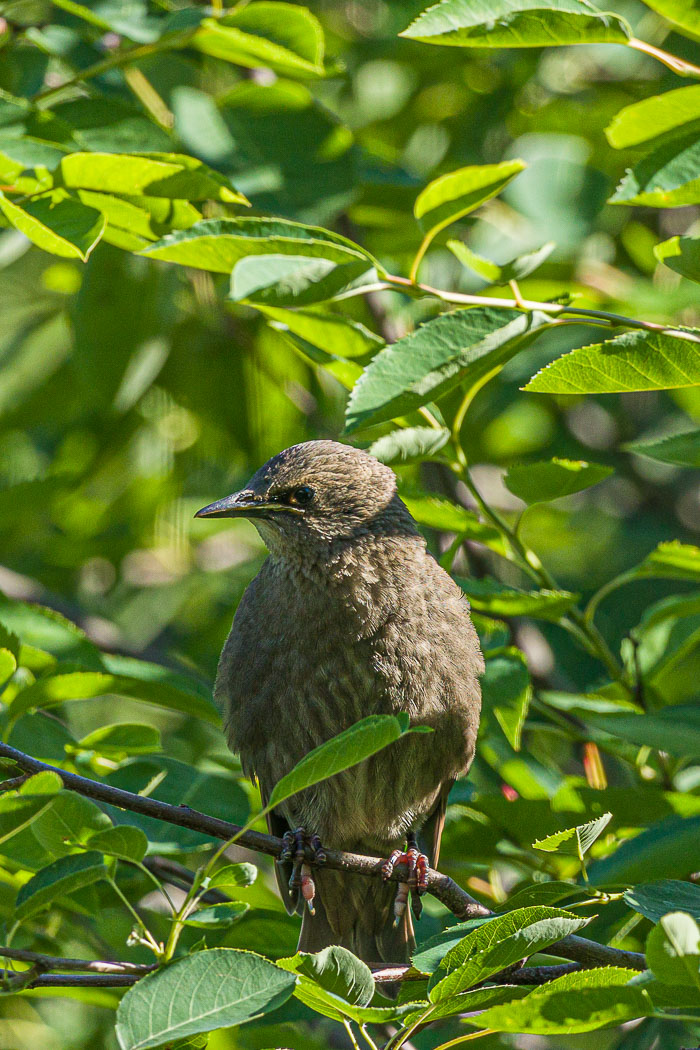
(279, 36)
(516, 23)
(172, 175)
(681, 254)
(121, 739)
(496, 599)
(123, 841)
(347, 749)
(62, 227)
(632, 361)
(413, 444)
(668, 177)
(574, 841)
(577, 1002)
(454, 195)
(506, 690)
(673, 950)
(336, 970)
(652, 117)
(332, 333)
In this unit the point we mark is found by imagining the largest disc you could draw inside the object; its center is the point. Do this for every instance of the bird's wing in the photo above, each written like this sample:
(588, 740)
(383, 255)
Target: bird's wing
(430, 834)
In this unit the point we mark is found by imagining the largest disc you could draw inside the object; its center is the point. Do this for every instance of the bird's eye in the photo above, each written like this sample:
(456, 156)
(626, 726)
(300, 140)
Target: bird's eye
(301, 496)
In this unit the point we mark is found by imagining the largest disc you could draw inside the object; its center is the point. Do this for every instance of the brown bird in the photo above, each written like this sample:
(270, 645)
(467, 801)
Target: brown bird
(349, 616)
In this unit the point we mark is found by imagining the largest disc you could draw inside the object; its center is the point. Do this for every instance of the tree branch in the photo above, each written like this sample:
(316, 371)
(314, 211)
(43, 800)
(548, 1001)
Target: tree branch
(453, 897)
(52, 962)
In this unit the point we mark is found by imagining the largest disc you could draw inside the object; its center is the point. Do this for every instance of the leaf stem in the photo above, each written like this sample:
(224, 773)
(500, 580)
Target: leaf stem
(465, 1038)
(368, 1038)
(351, 1035)
(679, 65)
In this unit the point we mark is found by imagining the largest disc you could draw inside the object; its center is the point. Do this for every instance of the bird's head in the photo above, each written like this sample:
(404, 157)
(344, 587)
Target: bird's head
(317, 493)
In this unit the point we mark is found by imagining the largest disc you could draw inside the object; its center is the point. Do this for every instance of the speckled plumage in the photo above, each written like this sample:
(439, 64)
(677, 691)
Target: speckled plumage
(350, 616)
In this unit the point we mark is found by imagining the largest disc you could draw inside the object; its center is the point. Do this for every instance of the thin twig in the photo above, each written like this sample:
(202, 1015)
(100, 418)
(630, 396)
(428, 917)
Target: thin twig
(453, 897)
(71, 980)
(52, 962)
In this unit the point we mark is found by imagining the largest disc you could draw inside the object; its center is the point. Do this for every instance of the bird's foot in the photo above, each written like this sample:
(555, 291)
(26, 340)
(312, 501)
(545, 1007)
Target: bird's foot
(417, 882)
(294, 848)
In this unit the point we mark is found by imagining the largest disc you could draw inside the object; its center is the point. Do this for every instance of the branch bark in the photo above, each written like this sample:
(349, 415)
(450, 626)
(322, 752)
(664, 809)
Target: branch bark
(453, 897)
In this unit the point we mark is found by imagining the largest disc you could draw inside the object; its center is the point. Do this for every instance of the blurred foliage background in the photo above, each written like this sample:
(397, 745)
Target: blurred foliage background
(132, 393)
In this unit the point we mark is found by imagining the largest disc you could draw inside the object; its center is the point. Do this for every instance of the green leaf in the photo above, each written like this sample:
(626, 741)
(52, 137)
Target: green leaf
(233, 876)
(219, 916)
(121, 739)
(462, 346)
(467, 1002)
(576, 1002)
(681, 254)
(653, 117)
(574, 841)
(452, 196)
(542, 482)
(336, 970)
(668, 177)
(327, 1004)
(83, 685)
(123, 841)
(332, 333)
(506, 690)
(497, 599)
(499, 943)
(219, 244)
(65, 875)
(683, 450)
(172, 175)
(69, 823)
(515, 270)
(430, 953)
(672, 561)
(19, 809)
(684, 13)
(347, 749)
(658, 852)
(543, 893)
(288, 280)
(411, 445)
(673, 950)
(279, 36)
(675, 729)
(517, 23)
(8, 665)
(656, 899)
(446, 516)
(62, 227)
(205, 991)
(631, 361)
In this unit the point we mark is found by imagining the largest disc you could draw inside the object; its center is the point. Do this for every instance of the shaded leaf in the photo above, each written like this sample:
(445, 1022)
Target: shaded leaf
(655, 899)
(69, 823)
(234, 876)
(577, 1002)
(205, 991)
(683, 450)
(288, 280)
(120, 739)
(414, 444)
(82, 685)
(497, 599)
(541, 482)
(506, 690)
(664, 850)
(631, 361)
(123, 841)
(672, 561)
(421, 367)
(516, 23)
(675, 729)
(218, 916)
(65, 875)
(18, 809)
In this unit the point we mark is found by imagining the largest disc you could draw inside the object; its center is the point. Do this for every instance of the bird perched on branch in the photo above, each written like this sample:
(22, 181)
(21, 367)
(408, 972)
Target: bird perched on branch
(349, 616)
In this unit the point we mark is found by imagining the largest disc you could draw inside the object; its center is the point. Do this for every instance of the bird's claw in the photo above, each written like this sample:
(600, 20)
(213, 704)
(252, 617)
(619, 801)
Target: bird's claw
(294, 845)
(416, 883)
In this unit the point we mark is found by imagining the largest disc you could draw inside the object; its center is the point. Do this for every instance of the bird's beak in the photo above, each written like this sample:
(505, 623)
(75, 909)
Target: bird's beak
(243, 504)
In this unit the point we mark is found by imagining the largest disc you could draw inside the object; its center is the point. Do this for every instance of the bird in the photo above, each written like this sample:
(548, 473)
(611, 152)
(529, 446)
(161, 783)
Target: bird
(349, 616)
